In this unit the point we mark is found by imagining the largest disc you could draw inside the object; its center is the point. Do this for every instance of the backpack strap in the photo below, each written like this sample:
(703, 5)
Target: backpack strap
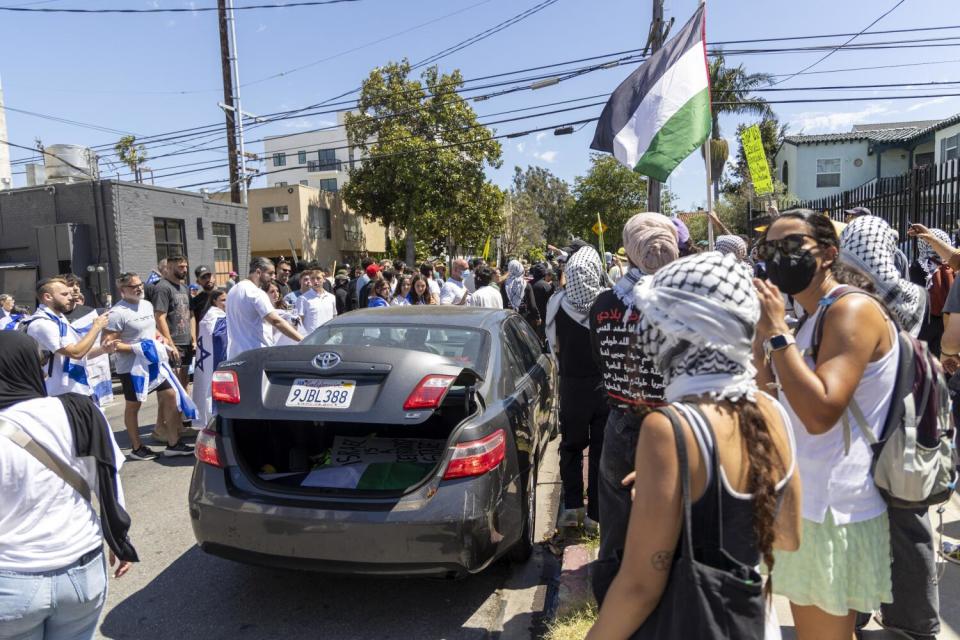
(64, 471)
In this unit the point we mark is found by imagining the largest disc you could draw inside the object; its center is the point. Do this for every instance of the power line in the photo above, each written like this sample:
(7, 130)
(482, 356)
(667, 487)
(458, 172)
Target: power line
(288, 5)
(810, 66)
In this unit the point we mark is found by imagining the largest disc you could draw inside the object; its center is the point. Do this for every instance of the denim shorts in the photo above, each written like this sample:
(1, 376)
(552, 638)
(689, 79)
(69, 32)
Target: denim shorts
(54, 605)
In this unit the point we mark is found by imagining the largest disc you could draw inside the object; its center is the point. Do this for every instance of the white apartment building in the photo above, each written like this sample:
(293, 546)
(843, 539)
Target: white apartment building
(318, 159)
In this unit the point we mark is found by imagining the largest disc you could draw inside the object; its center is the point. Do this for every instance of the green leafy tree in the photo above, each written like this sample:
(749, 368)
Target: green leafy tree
(523, 228)
(613, 191)
(730, 90)
(549, 198)
(131, 154)
(423, 156)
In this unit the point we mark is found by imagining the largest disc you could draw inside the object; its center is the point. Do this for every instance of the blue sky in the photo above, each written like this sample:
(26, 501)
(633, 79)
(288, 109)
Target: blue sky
(153, 73)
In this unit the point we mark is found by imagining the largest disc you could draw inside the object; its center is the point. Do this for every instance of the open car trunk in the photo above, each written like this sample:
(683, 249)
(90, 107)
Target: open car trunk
(327, 456)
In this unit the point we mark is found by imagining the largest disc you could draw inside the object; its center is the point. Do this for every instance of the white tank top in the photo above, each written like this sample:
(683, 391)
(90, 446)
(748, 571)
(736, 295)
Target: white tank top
(831, 480)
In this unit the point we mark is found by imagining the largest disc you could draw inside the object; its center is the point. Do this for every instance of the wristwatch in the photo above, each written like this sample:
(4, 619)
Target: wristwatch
(777, 343)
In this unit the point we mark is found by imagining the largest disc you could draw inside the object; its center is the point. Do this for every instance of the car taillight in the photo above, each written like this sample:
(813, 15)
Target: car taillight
(206, 448)
(225, 387)
(477, 457)
(429, 392)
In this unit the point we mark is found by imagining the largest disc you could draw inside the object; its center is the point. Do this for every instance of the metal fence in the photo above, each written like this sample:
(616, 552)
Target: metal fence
(929, 195)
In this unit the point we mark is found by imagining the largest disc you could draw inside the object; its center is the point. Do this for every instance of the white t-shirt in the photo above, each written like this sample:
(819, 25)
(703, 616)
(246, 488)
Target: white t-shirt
(316, 309)
(44, 523)
(452, 291)
(434, 287)
(247, 306)
(469, 282)
(487, 297)
(53, 332)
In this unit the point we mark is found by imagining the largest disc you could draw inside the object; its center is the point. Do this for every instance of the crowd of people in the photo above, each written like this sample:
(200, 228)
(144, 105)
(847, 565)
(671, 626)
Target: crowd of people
(713, 391)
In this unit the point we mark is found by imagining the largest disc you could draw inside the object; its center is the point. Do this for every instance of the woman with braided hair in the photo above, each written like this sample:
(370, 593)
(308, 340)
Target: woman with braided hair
(697, 323)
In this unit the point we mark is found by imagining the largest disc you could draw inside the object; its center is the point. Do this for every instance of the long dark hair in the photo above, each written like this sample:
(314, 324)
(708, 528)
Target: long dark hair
(211, 300)
(765, 469)
(414, 298)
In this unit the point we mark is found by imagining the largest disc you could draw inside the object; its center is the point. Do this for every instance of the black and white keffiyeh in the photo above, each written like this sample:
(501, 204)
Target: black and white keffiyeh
(625, 286)
(585, 279)
(928, 259)
(515, 283)
(732, 244)
(869, 245)
(698, 320)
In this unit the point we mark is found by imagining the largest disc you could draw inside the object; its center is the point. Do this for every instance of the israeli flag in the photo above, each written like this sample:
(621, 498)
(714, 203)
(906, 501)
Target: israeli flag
(150, 370)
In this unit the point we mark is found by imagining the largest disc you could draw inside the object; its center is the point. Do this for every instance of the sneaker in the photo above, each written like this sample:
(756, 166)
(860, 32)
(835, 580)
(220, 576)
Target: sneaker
(179, 449)
(142, 453)
(569, 518)
(590, 525)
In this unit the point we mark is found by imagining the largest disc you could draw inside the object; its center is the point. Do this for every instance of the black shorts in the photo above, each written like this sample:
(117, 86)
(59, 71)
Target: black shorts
(186, 355)
(126, 381)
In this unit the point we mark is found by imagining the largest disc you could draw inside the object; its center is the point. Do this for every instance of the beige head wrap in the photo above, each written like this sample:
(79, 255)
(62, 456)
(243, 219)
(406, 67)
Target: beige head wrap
(650, 240)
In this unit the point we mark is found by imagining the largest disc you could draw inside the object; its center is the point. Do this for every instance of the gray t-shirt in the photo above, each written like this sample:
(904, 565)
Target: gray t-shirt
(952, 305)
(174, 300)
(135, 322)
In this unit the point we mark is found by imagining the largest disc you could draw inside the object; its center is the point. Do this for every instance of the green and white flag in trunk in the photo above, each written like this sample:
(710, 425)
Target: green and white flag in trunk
(661, 113)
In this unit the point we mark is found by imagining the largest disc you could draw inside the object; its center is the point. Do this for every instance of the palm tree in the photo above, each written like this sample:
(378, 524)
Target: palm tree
(730, 89)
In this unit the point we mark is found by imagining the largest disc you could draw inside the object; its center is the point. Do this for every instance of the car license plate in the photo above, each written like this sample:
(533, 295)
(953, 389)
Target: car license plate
(321, 394)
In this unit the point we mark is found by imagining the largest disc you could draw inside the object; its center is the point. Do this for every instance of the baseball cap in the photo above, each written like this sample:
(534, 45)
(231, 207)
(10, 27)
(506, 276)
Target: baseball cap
(858, 211)
(201, 270)
(373, 270)
(194, 287)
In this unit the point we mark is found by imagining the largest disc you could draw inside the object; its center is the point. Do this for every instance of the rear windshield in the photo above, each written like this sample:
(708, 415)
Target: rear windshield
(464, 346)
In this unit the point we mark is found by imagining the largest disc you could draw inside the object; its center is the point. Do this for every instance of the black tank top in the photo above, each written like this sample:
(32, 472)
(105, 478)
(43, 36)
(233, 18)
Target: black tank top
(734, 512)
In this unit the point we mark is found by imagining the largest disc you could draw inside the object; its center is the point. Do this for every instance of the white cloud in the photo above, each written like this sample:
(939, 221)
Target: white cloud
(306, 123)
(927, 103)
(520, 147)
(546, 156)
(541, 136)
(171, 23)
(153, 4)
(828, 122)
(261, 28)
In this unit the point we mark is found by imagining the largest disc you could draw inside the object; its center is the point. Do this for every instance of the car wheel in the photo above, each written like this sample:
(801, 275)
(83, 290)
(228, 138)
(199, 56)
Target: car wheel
(522, 551)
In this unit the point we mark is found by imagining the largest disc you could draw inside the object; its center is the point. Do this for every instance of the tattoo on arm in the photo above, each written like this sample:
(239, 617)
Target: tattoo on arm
(662, 560)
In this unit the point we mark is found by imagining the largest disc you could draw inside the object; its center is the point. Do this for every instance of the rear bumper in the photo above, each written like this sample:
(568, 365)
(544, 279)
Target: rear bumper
(460, 529)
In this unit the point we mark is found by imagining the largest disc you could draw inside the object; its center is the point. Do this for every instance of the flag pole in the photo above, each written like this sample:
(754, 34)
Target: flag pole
(707, 156)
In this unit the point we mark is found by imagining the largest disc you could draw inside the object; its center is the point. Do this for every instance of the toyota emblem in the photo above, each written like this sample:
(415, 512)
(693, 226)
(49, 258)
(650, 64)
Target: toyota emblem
(326, 360)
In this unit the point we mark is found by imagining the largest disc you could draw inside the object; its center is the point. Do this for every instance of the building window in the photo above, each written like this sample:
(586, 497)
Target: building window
(828, 172)
(313, 165)
(949, 148)
(785, 174)
(329, 184)
(279, 184)
(305, 183)
(224, 239)
(328, 159)
(301, 157)
(279, 159)
(275, 214)
(923, 159)
(170, 236)
(320, 222)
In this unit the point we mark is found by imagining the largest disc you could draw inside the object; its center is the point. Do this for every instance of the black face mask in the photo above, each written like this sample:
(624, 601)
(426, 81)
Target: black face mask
(792, 273)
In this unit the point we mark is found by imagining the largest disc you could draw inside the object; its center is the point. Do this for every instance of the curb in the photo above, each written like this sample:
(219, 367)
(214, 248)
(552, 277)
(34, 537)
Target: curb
(574, 590)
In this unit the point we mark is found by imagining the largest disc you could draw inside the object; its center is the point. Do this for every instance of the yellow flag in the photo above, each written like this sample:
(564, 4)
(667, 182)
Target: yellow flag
(756, 160)
(486, 249)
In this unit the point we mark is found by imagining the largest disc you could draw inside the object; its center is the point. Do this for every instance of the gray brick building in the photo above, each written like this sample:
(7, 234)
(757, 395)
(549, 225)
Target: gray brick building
(98, 229)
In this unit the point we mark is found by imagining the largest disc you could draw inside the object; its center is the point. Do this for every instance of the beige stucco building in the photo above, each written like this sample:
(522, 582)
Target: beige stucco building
(317, 222)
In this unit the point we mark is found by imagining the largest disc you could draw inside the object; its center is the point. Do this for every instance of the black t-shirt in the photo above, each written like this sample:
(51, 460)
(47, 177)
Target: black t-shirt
(542, 290)
(174, 300)
(576, 355)
(285, 288)
(198, 303)
(79, 311)
(632, 381)
(343, 295)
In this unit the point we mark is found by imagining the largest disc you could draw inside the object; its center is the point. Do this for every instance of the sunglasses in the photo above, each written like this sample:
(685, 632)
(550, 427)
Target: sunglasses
(786, 245)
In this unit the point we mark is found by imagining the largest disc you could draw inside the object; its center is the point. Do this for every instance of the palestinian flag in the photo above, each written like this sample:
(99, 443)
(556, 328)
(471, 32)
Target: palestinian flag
(661, 113)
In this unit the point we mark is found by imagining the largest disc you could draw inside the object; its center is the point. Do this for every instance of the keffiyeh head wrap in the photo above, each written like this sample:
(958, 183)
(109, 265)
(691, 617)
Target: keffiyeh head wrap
(515, 283)
(732, 244)
(698, 319)
(585, 278)
(928, 258)
(869, 245)
(650, 240)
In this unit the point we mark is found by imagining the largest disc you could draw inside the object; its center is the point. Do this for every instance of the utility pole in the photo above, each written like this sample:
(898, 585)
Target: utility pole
(232, 113)
(236, 97)
(655, 42)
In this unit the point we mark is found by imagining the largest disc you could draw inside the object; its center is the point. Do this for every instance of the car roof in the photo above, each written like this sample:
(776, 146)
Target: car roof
(442, 315)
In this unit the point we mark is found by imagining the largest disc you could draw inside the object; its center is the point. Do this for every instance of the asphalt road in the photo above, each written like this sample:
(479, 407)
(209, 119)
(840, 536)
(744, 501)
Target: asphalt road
(179, 592)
